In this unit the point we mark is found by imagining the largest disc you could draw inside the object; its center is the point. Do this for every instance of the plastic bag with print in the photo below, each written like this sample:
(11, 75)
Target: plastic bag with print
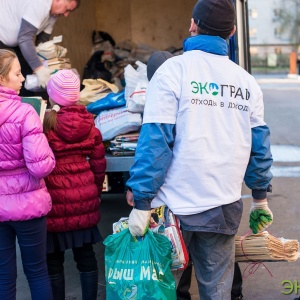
(138, 269)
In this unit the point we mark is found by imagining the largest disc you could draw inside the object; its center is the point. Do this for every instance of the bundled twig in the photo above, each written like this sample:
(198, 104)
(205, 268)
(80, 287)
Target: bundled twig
(265, 247)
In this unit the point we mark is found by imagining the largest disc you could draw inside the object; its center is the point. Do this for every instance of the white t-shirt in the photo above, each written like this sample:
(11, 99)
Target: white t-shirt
(214, 104)
(36, 12)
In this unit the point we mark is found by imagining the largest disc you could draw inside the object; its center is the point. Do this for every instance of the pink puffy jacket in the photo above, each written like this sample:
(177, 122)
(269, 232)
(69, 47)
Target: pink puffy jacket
(25, 159)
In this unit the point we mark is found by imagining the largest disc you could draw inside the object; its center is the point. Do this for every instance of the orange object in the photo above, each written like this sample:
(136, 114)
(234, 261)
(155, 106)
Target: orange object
(293, 63)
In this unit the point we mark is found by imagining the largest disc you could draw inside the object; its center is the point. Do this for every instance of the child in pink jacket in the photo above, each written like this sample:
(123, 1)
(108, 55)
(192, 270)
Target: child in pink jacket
(25, 159)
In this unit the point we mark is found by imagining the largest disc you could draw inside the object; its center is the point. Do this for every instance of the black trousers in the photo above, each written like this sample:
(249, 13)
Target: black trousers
(83, 256)
(184, 284)
(237, 282)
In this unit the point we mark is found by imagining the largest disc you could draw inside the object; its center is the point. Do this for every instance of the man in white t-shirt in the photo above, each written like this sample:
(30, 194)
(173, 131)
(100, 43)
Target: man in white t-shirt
(203, 134)
(26, 23)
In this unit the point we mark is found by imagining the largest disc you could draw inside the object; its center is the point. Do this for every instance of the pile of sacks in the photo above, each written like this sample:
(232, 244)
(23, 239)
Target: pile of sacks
(114, 88)
(117, 112)
(109, 59)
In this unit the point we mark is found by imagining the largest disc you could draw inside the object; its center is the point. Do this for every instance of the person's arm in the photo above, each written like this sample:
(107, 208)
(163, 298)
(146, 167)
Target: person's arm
(258, 175)
(152, 160)
(42, 38)
(26, 37)
(97, 160)
(26, 44)
(147, 175)
(38, 155)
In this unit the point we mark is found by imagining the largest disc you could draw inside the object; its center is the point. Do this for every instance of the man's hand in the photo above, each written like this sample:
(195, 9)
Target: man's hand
(139, 221)
(260, 215)
(129, 198)
(43, 75)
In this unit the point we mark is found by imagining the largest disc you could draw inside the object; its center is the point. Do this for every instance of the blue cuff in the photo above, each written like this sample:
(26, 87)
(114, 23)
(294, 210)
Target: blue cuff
(143, 204)
(259, 194)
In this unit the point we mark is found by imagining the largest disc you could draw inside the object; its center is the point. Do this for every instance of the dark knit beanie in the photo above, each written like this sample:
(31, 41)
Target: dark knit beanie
(155, 61)
(215, 17)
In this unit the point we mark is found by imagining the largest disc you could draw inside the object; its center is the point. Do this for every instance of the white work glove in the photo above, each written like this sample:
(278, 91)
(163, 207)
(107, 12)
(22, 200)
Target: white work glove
(260, 216)
(43, 76)
(138, 222)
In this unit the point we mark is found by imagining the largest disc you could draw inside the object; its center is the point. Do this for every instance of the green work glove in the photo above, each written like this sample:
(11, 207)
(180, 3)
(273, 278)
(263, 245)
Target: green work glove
(260, 216)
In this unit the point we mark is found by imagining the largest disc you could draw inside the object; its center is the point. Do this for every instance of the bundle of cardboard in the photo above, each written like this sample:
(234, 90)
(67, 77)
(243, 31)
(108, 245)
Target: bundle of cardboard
(56, 63)
(124, 145)
(52, 55)
(265, 247)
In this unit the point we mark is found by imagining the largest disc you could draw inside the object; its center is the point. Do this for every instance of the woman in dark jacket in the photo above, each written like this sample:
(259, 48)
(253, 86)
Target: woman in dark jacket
(75, 185)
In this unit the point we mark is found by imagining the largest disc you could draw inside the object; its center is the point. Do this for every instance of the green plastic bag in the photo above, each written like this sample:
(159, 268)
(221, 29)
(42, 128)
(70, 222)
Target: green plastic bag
(138, 270)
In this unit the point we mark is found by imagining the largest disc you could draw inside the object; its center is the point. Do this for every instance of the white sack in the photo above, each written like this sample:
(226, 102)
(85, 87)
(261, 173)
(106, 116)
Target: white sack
(117, 121)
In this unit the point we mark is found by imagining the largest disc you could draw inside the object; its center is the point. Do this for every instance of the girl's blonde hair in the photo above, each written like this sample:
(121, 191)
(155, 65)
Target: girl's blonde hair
(6, 59)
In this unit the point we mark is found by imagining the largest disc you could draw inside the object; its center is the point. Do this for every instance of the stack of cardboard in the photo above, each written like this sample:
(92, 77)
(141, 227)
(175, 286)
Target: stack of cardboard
(124, 145)
(57, 63)
(52, 55)
(265, 247)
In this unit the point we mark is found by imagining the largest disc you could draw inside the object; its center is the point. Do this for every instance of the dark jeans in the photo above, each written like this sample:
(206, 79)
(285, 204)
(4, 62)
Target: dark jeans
(186, 278)
(83, 256)
(213, 258)
(32, 241)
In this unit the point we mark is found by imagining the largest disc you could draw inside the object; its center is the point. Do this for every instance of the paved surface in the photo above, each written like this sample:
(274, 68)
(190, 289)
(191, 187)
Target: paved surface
(282, 114)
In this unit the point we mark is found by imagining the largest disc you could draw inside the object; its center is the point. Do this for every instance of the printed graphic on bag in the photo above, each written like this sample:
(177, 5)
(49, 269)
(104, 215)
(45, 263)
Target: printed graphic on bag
(137, 270)
(146, 272)
(164, 222)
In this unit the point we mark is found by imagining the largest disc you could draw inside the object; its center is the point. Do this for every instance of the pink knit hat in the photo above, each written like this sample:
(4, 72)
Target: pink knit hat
(64, 87)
